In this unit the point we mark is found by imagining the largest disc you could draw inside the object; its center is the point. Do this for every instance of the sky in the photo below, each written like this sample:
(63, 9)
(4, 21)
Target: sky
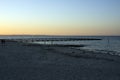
(60, 17)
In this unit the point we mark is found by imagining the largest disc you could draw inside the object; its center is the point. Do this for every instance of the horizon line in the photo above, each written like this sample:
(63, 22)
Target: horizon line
(49, 35)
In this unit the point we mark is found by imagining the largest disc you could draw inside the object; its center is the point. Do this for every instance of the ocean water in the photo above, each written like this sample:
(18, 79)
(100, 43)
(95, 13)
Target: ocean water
(108, 43)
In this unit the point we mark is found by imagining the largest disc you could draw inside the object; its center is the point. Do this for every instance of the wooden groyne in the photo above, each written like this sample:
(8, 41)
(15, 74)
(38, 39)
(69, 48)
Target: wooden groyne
(30, 41)
(46, 39)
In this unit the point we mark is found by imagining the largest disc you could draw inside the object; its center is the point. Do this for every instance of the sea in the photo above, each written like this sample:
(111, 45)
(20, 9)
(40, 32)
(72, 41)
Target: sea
(107, 44)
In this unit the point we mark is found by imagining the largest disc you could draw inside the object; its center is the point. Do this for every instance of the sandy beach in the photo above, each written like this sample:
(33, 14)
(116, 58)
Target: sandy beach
(34, 62)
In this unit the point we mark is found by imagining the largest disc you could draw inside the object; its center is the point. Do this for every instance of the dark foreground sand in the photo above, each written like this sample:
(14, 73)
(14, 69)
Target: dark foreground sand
(20, 62)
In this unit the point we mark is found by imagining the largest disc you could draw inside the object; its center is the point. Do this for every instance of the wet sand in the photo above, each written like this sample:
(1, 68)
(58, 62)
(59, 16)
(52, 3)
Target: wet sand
(25, 62)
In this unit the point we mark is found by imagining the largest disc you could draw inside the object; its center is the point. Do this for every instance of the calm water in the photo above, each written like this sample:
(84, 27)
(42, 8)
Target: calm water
(109, 43)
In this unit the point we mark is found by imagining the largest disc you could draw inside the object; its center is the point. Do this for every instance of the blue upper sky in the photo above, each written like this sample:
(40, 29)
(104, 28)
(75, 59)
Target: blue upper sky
(81, 17)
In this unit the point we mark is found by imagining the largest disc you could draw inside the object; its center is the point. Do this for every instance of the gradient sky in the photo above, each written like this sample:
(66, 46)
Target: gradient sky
(60, 17)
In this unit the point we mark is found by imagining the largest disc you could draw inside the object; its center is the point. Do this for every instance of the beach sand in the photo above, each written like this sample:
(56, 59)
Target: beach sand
(31, 62)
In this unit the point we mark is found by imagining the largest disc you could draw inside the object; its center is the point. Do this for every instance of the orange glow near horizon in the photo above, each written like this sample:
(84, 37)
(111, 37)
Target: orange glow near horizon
(45, 30)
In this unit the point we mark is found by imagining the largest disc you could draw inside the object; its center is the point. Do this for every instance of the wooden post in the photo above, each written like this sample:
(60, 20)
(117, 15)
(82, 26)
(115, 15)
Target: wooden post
(2, 41)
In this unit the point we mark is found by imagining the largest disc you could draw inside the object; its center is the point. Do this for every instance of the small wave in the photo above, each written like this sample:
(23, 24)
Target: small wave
(106, 52)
